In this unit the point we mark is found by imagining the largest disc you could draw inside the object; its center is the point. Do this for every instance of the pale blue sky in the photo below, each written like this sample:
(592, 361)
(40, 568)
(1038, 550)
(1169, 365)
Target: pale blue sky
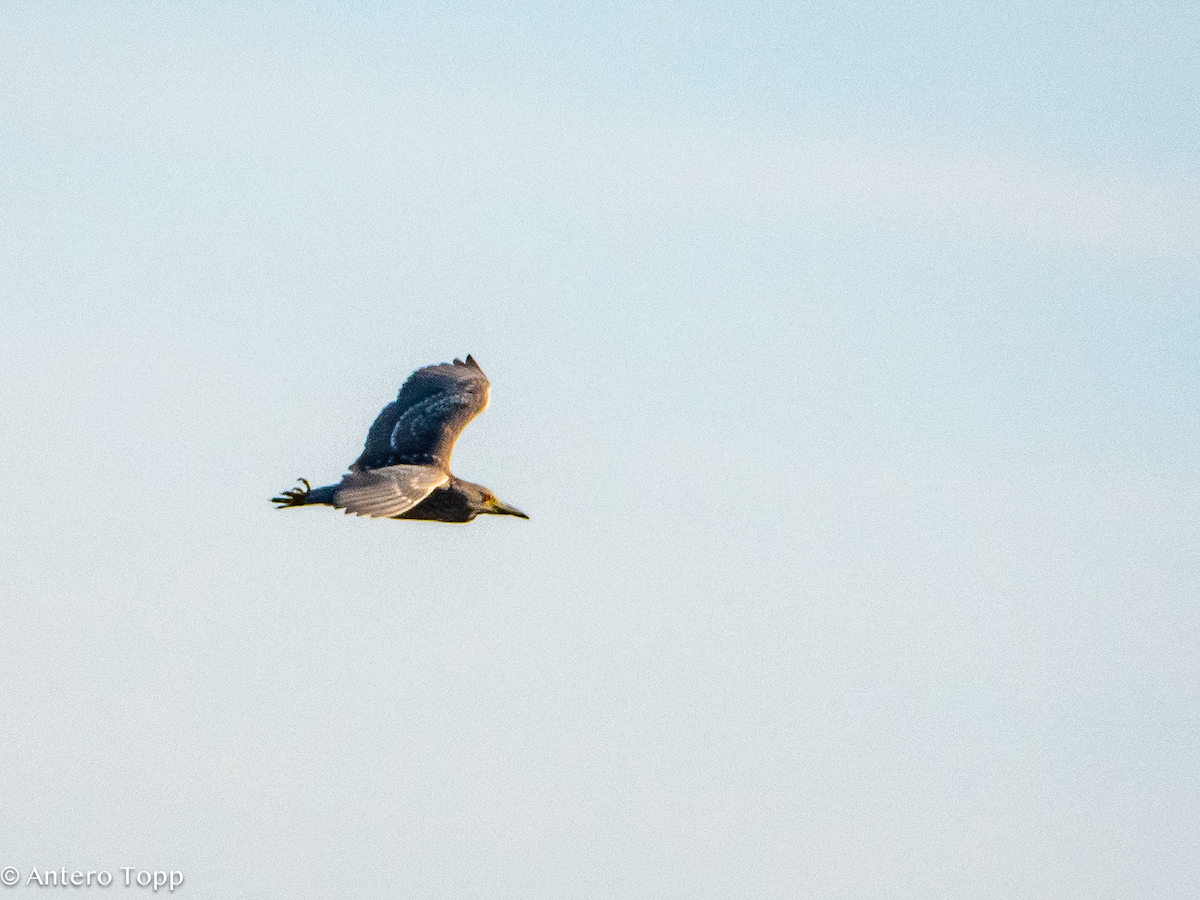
(845, 357)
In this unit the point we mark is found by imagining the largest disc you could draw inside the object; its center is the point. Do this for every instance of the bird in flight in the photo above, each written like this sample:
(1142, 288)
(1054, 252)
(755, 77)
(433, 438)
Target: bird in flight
(404, 469)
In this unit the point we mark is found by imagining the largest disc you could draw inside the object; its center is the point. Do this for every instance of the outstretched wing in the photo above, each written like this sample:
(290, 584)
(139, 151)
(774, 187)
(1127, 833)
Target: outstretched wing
(420, 427)
(387, 492)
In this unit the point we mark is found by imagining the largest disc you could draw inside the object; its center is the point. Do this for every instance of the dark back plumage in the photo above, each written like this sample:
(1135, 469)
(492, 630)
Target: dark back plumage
(420, 426)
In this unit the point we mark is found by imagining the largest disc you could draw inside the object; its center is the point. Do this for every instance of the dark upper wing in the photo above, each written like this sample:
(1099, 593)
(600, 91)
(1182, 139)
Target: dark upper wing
(420, 427)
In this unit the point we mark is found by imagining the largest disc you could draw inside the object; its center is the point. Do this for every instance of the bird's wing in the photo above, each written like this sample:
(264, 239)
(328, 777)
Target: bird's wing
(387, 492)
(420, 427)
(377, 451)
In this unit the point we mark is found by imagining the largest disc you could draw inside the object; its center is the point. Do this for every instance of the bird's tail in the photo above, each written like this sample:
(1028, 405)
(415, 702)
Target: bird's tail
(303, 496)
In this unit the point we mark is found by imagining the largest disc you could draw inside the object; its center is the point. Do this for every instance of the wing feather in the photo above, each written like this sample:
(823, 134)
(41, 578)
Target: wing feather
(387, 492)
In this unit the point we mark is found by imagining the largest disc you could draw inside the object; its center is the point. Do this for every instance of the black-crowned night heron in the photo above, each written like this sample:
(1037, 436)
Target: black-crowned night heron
(404, 470)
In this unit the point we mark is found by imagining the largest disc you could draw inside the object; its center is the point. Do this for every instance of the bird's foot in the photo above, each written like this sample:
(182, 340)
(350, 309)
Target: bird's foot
(295, 496)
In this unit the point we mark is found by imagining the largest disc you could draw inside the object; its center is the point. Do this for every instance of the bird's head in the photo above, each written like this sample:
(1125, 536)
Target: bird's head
(481, 501)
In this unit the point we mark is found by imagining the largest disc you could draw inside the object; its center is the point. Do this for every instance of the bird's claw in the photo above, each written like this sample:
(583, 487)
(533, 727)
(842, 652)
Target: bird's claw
(293, 496)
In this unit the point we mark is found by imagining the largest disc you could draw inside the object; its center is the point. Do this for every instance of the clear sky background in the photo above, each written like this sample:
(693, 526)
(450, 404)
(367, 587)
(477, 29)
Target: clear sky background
(846, 357)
